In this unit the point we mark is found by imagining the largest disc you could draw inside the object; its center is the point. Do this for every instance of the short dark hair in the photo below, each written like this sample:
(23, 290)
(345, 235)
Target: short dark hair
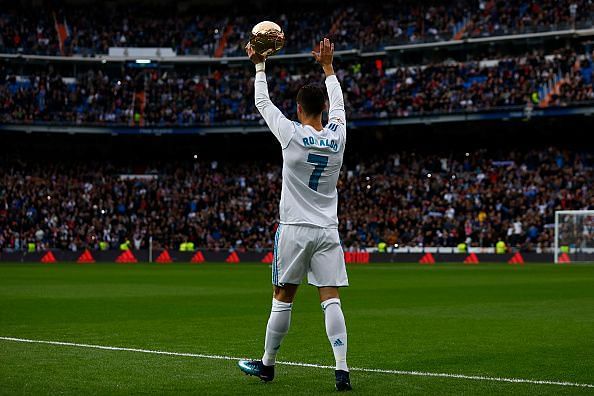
(312, 99)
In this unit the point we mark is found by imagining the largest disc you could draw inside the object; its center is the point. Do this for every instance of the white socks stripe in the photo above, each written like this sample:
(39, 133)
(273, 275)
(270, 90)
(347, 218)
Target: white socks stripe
(336, 331)
(278, 326)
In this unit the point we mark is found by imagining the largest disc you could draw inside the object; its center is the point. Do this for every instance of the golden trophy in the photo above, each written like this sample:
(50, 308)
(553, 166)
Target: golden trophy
(267, 38)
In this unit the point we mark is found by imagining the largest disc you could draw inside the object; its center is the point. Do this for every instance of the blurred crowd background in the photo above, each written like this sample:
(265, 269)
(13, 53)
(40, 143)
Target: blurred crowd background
(402, 199)
(224, 95)
(402, 65)
(197, 30)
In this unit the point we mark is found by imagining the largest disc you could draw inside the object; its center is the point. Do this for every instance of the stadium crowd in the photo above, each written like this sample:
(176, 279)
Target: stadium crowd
(96, 27)
(373, 89)
(408, 198)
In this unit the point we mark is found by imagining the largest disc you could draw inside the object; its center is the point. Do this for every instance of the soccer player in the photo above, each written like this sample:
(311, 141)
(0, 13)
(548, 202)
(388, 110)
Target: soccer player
(306, 240)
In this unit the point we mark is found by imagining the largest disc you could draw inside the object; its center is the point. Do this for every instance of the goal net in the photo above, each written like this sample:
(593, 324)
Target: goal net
(574, 236)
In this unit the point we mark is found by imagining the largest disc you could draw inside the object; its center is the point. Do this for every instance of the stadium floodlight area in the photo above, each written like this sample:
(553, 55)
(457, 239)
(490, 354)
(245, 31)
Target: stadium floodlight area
(574, 235)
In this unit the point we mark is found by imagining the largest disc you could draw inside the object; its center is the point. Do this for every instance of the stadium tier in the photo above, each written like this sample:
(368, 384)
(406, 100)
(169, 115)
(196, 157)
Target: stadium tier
(63, 29)
(375, 89)
(58, 74)
(401, 199)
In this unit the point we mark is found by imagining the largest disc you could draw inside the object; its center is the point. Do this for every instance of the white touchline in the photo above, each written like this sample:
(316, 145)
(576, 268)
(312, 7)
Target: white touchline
(298, 364)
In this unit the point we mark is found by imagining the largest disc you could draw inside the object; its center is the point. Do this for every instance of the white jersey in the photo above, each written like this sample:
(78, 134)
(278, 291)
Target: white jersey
(311, 159)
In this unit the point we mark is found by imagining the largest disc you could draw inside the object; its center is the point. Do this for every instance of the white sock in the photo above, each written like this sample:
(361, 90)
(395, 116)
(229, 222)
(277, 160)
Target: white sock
(336, 330)
(277, 328)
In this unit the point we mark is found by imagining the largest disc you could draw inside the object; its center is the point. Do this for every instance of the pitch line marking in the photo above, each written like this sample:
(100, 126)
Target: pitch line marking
(310, 365)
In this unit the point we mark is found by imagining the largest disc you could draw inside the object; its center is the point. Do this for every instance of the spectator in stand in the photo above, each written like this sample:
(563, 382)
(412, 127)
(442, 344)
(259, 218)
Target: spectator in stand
(405, 199)
(185, 97)
(95, 28)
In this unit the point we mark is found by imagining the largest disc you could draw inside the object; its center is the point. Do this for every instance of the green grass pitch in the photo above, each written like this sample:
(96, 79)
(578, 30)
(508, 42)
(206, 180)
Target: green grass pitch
(533, 322)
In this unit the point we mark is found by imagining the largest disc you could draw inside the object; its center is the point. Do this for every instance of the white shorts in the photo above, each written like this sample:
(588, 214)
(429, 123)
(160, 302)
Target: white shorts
(315, 251)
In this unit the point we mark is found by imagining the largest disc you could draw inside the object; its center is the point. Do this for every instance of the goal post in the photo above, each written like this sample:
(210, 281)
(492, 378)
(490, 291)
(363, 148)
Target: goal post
(574, 235)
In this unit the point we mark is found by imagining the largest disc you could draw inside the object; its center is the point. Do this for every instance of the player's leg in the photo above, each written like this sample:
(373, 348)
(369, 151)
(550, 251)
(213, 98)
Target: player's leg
(337, 334)
(291, 256)
(335, 325)
(285, 293)
(328, 273)
(278, 322)
(276, 329)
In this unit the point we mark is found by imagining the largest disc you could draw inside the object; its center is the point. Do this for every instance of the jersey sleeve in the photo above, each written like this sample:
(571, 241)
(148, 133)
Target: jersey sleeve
(280, 125)
(336, 113)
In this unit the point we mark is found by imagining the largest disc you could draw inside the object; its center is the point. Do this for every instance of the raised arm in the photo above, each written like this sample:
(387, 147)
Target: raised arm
(279, 125)
(324, 58)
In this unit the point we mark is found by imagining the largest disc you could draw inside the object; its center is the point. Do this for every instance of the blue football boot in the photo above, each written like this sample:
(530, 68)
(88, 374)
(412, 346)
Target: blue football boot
(257, 369)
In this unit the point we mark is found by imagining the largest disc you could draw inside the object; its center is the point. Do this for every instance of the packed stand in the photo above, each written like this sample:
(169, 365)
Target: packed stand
(496, 18)
(406, 199)
(95, 28)
(373, 89)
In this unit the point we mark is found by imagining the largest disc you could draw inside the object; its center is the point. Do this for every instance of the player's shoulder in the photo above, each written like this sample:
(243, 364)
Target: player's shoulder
(335, 124)
(297, 128)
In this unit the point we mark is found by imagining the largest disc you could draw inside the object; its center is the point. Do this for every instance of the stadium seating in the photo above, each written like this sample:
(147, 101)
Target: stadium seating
(93, 29)
(223, 95)
(510, 196)
(406, 199)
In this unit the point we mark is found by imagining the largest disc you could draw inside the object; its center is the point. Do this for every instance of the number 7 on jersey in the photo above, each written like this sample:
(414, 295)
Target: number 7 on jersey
(320, 162)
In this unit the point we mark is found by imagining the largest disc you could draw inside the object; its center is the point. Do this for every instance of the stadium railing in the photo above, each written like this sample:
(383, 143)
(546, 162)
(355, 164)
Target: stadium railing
(509, 113)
